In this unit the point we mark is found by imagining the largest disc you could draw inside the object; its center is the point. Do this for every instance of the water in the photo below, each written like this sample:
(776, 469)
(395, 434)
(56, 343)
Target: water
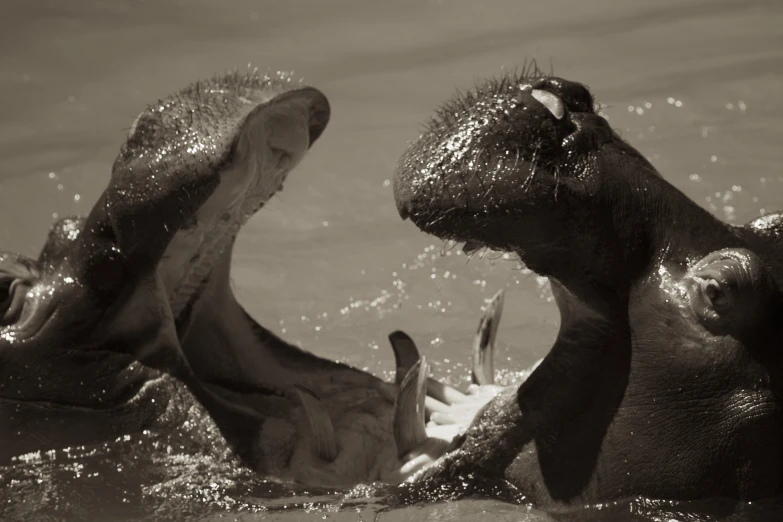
(695, 85)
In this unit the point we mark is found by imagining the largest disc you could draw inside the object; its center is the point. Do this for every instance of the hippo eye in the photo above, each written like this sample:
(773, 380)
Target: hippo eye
(729, 291)
(12, 296)
(714, 293)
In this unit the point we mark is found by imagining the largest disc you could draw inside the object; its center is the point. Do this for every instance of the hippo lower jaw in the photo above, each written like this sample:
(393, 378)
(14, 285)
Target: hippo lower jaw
(666, 363)
(325, 423)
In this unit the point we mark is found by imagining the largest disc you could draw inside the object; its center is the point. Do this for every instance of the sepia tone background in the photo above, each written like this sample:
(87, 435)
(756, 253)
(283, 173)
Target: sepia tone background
(695, 85)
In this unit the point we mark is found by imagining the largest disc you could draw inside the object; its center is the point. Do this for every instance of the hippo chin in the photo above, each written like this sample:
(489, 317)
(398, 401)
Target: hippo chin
(665, 378)
(127, 323)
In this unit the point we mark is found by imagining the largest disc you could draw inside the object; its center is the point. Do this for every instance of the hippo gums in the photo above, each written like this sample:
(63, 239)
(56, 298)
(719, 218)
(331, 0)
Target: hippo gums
(666, 377)
(127, 323)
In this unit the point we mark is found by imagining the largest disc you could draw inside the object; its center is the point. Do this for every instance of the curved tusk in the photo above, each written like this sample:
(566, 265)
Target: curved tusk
(484, 342)
(324, 444)
(405, 354)
(409, 432)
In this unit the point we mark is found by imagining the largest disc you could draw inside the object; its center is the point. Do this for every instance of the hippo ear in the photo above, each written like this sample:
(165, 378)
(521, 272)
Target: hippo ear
(156, 189)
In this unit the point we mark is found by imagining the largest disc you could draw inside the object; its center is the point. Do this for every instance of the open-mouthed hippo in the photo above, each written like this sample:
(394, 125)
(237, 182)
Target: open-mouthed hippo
(665, 378)
(127, 322)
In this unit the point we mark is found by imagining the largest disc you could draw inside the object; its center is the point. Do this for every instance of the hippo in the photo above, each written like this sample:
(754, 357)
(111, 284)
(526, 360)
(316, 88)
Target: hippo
(666, 376)
(127, 324)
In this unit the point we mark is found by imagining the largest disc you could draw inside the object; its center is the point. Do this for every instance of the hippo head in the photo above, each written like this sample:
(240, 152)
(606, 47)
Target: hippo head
(127, 320)
(89, 347)
(666, 377)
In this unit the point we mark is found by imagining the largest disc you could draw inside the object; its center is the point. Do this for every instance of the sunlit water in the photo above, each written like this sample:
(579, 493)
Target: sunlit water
(694, 85)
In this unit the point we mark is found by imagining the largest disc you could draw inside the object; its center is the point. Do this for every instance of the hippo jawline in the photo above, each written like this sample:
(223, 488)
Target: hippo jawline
(663, 306)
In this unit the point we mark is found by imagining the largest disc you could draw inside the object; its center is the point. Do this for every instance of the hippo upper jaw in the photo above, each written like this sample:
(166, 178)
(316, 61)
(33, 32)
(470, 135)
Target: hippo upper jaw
(240, 135)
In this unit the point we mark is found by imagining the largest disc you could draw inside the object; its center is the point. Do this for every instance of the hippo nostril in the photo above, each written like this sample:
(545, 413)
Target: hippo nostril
(550, 101)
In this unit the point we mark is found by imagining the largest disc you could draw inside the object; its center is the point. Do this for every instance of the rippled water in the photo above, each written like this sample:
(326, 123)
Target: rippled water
(695, 85)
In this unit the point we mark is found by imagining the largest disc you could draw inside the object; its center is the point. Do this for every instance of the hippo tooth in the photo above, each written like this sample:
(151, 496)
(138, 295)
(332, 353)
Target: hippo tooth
(439, 395)
(409, 432)
(550, 101)
(324, 444)
(484, 342)
(405, 354)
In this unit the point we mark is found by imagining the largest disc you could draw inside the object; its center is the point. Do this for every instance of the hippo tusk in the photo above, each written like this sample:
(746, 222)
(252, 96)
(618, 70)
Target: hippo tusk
(409, 431)
(405, 354)
(484, 342)
(323, 440)
(439, 396)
